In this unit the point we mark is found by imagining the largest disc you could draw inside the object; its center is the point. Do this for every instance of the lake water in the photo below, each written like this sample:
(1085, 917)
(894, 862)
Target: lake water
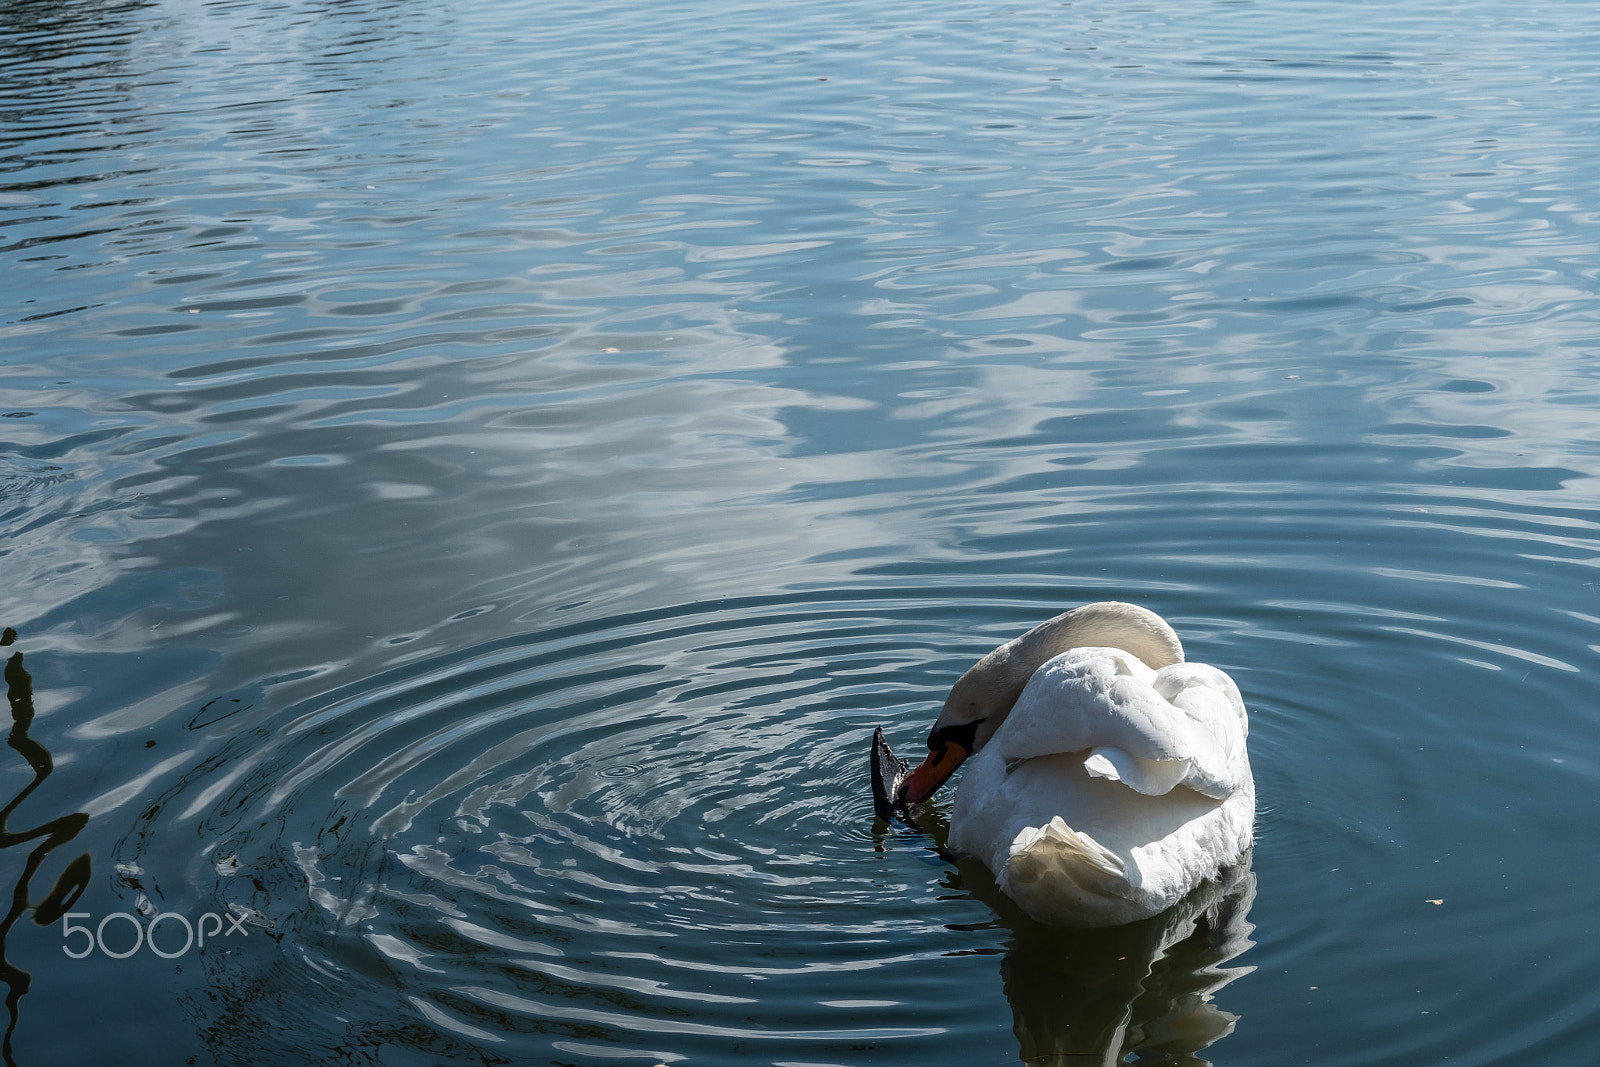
(473, 475)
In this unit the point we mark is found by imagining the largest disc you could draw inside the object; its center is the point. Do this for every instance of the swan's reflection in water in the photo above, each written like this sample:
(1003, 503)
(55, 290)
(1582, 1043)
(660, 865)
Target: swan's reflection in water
(1088, 997)
(1097, 996)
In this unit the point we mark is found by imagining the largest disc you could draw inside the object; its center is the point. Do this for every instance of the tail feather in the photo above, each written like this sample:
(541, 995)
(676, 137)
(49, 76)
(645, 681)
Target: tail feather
(1055, 853)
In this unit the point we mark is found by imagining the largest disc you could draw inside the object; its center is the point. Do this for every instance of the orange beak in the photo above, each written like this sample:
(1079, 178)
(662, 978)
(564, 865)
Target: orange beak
(932, 772)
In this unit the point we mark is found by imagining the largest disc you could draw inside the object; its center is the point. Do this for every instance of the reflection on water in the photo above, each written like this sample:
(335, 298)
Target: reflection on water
(472, 477)
(1144, 990)
(74, 877)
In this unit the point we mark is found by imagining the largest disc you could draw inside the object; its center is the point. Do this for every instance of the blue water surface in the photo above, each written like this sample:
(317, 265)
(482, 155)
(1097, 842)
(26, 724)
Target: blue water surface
(473, 475)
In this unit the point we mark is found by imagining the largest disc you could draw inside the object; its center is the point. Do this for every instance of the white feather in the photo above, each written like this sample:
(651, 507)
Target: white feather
(1110, 789)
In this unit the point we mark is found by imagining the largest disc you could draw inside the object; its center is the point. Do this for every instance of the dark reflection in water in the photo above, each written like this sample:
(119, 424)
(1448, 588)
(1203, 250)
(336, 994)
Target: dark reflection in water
(1102, 995)
(73, 879)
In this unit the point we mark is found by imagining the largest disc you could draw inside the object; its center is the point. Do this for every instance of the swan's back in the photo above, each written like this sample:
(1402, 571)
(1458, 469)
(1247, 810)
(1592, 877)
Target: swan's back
(1111, 789)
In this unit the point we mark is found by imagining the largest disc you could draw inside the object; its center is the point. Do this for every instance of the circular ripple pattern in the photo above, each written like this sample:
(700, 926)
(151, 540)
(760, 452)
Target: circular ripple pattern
(580, 835)
(649, 835)
(630, 838)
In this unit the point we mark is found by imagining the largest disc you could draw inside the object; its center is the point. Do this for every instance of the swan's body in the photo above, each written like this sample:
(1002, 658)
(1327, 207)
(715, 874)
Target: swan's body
(1108, 777)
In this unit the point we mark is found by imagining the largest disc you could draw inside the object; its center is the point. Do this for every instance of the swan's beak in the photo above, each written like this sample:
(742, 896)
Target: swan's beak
(932, 772)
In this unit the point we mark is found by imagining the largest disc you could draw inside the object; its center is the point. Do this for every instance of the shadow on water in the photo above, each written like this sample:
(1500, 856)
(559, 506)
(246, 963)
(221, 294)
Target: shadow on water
(73, 879)
(1099, 996)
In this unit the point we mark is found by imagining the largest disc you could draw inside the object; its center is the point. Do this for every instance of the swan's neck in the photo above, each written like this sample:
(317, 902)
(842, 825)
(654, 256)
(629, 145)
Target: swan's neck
(1125, 626)
(989, 689)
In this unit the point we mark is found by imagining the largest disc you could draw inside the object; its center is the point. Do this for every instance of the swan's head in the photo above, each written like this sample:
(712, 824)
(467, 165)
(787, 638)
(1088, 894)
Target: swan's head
(978, 703)
(982, 698)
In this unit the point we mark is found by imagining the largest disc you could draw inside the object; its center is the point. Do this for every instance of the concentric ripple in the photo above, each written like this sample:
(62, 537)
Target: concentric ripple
(578, 834)
(629, 839)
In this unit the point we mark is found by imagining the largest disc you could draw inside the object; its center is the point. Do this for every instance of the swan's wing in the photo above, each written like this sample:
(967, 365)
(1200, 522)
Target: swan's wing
(1212, 703)
(1149, 730)
(1152, 777)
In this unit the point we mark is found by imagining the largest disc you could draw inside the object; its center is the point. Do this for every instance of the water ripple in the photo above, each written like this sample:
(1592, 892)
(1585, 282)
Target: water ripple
(472, 478)
(634, 833)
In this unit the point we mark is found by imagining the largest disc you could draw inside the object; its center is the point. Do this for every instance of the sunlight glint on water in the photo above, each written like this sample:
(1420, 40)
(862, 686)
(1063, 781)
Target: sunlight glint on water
(473, 477)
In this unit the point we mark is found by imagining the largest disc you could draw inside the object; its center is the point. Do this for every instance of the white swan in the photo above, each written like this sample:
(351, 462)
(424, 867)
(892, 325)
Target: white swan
(1108, 777)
